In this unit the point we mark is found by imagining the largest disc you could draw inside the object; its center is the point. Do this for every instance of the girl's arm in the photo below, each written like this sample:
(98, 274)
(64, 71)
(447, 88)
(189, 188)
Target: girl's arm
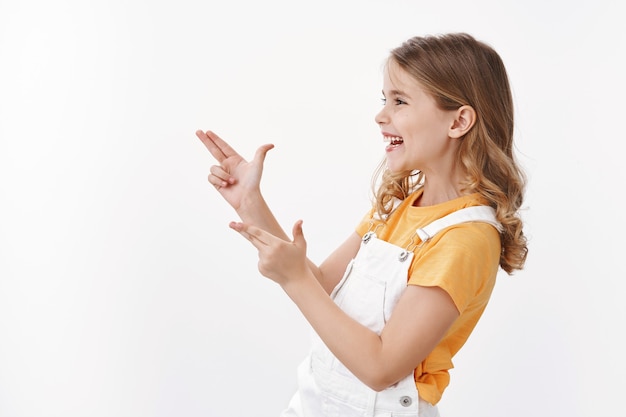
(419, 321)
(238, 182)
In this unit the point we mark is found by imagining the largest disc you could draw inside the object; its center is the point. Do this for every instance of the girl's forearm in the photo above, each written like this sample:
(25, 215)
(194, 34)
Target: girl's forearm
(254, 210)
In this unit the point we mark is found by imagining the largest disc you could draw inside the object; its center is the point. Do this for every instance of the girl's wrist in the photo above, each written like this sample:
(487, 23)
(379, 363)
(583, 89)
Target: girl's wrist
(301, 288)
(251, 203)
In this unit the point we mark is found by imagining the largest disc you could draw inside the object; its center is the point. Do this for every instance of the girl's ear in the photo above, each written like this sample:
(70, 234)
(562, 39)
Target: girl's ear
(464, 120)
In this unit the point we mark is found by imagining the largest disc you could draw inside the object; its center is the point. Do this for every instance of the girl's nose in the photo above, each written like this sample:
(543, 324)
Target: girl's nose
(381, 117)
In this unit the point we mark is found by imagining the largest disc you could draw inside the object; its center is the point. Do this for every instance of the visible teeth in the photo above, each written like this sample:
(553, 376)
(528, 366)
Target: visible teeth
(394, 140)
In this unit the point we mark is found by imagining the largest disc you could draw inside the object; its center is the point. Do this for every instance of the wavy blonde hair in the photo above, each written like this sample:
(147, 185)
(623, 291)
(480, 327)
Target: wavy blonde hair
(458, 70)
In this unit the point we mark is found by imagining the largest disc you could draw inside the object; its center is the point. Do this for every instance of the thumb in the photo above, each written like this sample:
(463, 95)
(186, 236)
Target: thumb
(259, 156)
(298, 235)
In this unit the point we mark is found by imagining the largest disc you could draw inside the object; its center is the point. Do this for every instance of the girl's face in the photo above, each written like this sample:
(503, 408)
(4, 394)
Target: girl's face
(416, 129)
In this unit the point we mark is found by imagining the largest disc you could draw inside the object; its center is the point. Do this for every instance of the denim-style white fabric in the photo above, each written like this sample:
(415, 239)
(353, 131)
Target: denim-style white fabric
(368, 292)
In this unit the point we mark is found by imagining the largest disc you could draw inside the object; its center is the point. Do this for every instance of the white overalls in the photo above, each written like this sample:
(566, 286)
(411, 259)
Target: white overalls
(368, 292)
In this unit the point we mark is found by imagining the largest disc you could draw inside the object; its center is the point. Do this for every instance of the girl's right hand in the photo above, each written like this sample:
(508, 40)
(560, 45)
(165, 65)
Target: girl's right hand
(234, 178)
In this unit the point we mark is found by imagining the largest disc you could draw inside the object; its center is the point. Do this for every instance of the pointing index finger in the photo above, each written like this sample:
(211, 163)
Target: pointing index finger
(255, 235)
(216, 145)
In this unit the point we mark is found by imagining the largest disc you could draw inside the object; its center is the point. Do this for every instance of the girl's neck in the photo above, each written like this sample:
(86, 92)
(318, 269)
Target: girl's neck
(432, 195)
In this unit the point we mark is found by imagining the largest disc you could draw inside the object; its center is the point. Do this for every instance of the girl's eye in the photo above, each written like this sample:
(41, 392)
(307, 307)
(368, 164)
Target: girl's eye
(397, 101)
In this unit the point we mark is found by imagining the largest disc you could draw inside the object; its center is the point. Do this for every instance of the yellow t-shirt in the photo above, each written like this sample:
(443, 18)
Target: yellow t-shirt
(463, 260)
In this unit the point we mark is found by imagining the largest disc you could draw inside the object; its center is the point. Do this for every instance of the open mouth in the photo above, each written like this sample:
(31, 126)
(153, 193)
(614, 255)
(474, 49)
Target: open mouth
(394, 140)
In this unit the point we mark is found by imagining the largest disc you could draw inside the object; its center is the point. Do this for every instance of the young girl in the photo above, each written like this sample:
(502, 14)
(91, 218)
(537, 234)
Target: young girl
(397, 300)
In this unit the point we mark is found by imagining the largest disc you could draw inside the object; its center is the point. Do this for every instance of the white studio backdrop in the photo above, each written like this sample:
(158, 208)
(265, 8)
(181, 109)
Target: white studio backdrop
(124, 293)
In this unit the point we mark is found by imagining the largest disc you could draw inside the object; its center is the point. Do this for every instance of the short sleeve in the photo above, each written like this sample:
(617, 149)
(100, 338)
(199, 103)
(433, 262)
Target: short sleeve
(462, 260)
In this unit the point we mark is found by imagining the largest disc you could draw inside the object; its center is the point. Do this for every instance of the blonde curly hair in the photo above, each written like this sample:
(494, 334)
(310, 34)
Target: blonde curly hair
(458, 70)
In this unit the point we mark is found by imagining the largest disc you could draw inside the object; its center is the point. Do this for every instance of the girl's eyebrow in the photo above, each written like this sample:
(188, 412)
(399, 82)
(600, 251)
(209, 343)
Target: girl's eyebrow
(396, 93)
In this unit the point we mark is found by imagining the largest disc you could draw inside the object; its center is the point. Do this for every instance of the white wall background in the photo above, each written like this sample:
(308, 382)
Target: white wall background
(124, 293)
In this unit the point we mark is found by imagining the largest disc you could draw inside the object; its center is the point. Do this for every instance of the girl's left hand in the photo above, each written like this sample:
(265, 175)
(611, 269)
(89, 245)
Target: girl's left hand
(279, 260)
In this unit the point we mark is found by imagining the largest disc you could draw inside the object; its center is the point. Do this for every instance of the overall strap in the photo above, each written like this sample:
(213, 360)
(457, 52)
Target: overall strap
(484, 214)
